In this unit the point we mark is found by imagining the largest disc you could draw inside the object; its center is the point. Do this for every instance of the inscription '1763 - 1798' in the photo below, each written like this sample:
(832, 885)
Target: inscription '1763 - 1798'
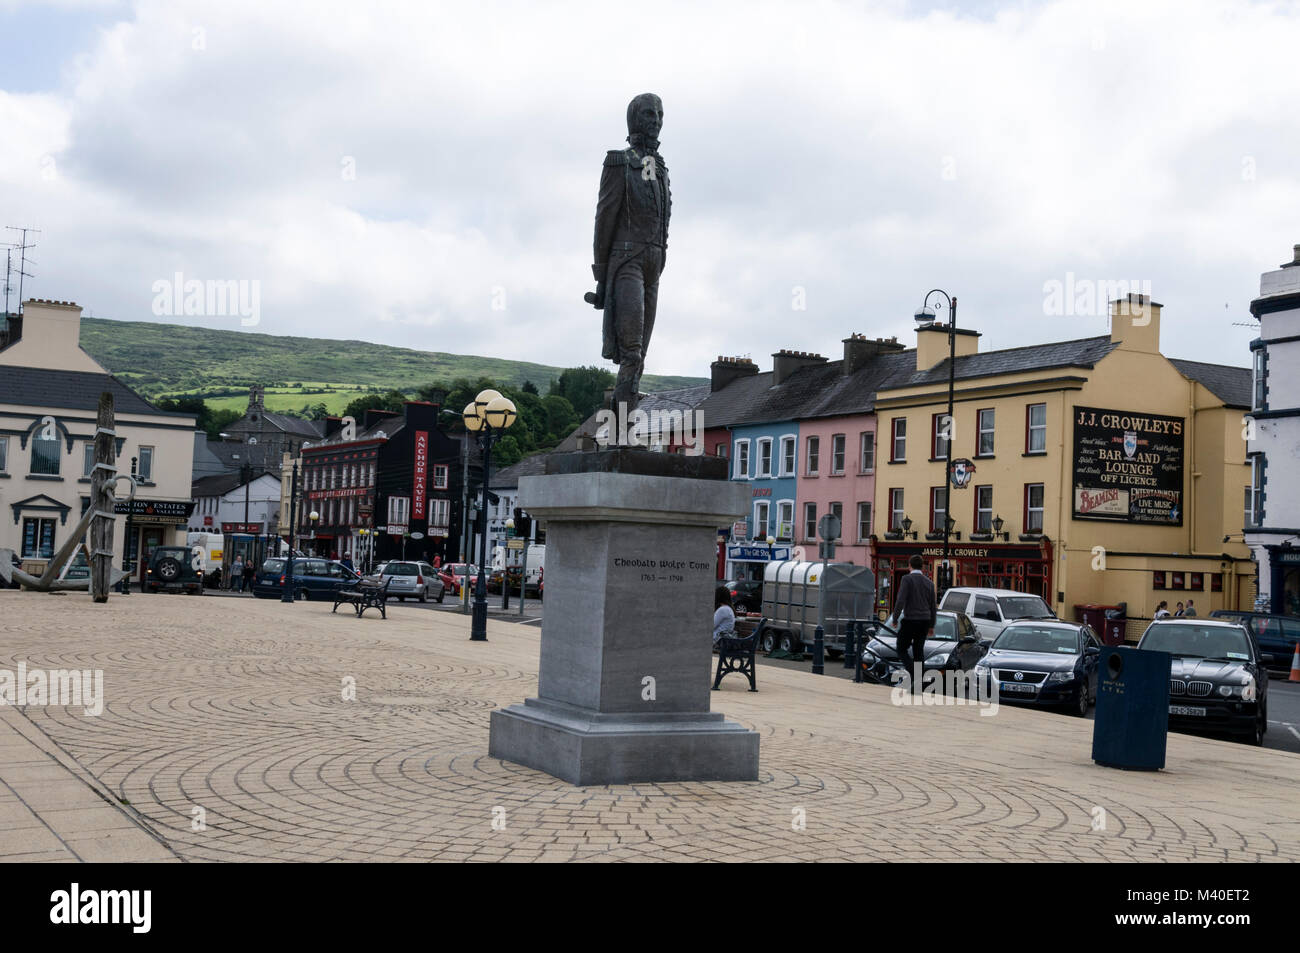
(662, 570)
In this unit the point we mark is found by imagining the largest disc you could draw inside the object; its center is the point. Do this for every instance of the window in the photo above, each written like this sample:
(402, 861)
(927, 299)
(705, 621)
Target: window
(864, 522)
(1033, 507)
(837, 510)
(984, 509)
(898, 449)
(441, 514)
(810, 521)
(1255, 501)
(38, 538)
(88, 459)
(789, 453)
(399, 510)
(765, 457)
(867, 449)
(760, 522)
(144, 468)
(441, 476)
(4, 454)
(45, 456)
(720, 451)
(896, 510)
(814, 450)
(1260, 367)
(1036, 428)
(785, 520)
(940, 436)
(984, 447)
(938, 508)
(742, 459)
(1249, 516)
(837, 454)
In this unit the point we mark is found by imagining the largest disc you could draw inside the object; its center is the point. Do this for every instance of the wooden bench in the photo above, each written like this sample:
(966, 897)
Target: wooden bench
(367, 595)
(736, 654)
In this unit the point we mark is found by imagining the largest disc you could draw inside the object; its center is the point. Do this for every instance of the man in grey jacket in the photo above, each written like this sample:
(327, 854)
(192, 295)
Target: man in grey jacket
(915, 604)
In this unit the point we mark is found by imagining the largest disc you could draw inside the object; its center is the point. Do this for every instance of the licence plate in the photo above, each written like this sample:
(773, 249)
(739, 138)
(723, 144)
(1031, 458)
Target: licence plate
(1019, 687)
(1187, 710)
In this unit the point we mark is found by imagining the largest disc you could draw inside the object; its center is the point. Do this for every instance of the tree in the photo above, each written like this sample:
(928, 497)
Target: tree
(394, 400)
(529, 387)
(584, 388)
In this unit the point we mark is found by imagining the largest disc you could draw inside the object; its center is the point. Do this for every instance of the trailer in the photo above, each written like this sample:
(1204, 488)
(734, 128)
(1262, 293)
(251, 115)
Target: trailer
(798, 596)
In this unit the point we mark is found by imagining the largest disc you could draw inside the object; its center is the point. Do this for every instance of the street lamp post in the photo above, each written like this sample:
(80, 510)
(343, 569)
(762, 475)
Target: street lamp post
(487, 417)
(925, 318)
(286, 590)
(505, 567)
(126, 543)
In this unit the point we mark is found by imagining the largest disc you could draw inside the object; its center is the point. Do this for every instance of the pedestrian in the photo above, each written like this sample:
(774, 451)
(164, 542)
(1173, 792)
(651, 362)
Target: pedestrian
(1190, 610)
(347, 561)
(1162, 610)
(1178, 613)
(724, 617)
(237, 574)
(249, 571)
(915, 604)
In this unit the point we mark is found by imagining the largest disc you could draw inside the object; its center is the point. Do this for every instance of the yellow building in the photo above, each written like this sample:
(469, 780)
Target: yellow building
(1087, 471)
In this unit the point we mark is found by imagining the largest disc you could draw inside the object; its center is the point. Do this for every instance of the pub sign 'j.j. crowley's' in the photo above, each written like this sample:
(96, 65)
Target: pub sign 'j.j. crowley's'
(1128, 466)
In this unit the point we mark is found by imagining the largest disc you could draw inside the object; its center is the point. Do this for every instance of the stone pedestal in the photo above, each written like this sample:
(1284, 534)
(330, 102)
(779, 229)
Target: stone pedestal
(626, 654)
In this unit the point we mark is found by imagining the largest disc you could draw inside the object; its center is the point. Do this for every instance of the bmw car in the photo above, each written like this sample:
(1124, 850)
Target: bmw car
(1218, 680)
(1046, 663)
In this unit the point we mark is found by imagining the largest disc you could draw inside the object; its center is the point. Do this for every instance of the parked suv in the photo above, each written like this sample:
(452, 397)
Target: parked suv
(992, 610)
(1276, 635)
(171, 569)
(416, 579)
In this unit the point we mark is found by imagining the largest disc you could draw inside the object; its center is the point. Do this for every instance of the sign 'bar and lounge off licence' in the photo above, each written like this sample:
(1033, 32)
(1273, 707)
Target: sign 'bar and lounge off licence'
(1128, 466)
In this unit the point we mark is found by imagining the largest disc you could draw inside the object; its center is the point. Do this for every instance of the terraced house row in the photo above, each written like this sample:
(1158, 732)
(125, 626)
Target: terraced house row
(1094, 470)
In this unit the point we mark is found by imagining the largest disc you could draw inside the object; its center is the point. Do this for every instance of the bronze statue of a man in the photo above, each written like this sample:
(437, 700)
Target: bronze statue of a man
(631, 244)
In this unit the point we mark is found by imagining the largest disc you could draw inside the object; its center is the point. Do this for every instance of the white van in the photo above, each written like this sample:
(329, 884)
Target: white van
(210, 549)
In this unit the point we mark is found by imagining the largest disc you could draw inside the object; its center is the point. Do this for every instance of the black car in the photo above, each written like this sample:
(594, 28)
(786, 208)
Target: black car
(1218, 681)
(955, 646)
(746, 594)
(1045, 662)
(172, 569)
(1276, 635)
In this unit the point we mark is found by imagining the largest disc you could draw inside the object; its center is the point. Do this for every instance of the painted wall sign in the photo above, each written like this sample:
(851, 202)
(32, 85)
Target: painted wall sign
(421, 473)
(1128, 466)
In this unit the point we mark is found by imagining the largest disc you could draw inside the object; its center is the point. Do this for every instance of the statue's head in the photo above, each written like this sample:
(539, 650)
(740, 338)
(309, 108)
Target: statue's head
(645, 116)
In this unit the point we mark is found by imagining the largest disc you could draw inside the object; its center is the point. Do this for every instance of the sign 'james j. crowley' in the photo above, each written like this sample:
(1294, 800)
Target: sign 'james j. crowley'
(1128, 466)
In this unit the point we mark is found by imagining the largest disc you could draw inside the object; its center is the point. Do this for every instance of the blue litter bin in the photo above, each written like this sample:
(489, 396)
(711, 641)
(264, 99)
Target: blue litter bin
(1132, 721)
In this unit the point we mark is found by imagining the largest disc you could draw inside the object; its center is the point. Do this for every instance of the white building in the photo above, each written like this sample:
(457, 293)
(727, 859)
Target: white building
(1273, 500)
(49, 395)
(226, 503)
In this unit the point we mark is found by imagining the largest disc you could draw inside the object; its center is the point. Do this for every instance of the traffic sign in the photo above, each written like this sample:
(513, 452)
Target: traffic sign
(828, 527)
(514, 544)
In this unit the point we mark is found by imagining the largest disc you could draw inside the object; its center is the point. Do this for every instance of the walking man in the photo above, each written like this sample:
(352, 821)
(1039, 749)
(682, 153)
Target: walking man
(1190, 610)
(916, 605)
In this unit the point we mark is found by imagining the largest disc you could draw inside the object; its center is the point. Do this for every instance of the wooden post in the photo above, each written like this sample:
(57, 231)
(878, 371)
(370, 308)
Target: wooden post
(101, 500)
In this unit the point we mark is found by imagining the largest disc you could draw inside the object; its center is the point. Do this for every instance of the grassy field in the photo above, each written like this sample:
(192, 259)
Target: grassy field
(171, 360)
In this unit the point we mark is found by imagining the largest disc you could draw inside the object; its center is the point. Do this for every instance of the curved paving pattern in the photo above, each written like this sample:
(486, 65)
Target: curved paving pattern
(255, 730)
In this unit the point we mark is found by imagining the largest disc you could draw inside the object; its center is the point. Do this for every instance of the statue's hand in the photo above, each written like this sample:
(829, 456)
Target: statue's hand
(596, 300)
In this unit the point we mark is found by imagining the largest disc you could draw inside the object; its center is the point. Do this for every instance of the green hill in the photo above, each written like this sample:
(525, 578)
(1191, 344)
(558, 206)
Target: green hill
(171, 360)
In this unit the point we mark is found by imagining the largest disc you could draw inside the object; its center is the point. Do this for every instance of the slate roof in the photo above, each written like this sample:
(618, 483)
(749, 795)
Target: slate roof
(72, 390)
(1232, 385)
(823, 390)
(295, 425)
(222, 483)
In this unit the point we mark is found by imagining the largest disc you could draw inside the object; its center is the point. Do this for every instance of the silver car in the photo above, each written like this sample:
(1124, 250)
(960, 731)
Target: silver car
(418, 580)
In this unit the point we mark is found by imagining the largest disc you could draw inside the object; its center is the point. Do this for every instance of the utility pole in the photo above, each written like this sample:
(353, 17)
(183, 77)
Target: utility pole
(22, 246)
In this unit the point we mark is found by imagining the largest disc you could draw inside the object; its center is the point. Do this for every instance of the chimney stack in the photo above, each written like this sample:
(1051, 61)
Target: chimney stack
(1135, 323)
(727, 369)
(860, 350)
(786, 362)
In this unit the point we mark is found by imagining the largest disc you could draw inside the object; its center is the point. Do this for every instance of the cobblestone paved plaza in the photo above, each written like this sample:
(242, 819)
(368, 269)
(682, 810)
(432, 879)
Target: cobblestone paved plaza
(236, 708)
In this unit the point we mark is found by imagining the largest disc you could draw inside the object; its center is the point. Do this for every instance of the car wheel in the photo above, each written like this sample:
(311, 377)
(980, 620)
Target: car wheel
(401, 598)
(424, 595)
(788, 643)
(1257, 732)
(442, 594)
(1081, 703)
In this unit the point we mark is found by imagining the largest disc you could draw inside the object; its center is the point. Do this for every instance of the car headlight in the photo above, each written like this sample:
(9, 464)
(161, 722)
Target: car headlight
(1066, 676)
(983, 665)
(938, 660)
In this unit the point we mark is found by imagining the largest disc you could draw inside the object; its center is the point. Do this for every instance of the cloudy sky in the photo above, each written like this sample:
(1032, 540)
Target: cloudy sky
(425, 174)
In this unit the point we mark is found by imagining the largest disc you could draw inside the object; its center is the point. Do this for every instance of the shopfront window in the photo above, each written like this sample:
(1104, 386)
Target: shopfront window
(38, 538)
